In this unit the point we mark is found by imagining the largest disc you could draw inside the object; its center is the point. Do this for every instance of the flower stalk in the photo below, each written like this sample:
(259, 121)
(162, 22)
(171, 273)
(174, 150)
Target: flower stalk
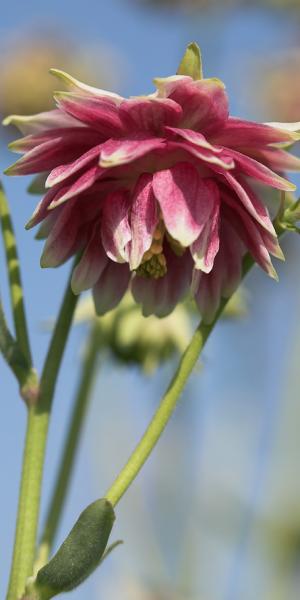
(34, 454)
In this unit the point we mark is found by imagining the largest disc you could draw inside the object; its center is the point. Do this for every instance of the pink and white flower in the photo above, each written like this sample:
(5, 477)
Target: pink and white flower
(156, 191)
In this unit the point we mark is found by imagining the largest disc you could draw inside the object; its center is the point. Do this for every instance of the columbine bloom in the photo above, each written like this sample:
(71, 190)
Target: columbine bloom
(155, 191)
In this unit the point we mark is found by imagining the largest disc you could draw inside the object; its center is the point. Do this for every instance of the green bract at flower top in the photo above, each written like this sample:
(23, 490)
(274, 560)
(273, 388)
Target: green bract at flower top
(156, 192)
(131, 338)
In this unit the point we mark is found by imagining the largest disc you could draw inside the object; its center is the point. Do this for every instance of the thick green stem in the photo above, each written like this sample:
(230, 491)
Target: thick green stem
(65, 470)
(15, 283)
(34, 454)
(166, 406)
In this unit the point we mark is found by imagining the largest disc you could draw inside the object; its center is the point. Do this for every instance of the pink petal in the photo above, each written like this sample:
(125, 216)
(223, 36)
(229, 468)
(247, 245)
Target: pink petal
(185, 200)
(64, 171)
(194, 138)
(63, 240)
(80, 137)
(82, 184)
(41, 158)
(160, 296)
(275, 158)
(116, 231)
(224, 278)
(143, 219)
(117, 152)
(149, 113)
(258, 171)
(41, 210)
(206, 246)
(110, 287)
(204, 104)
(91, 264)
(222, 160)
(40, 122)
(250, 201)
(237, 132)
(102, 115)
(87, 90)
(250, 234)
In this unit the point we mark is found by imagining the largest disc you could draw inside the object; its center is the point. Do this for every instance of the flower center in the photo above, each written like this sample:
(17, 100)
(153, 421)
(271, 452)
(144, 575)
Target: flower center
(154, 262)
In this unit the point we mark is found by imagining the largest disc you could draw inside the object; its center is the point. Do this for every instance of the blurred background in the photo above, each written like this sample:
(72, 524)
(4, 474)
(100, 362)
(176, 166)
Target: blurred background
(215, 513)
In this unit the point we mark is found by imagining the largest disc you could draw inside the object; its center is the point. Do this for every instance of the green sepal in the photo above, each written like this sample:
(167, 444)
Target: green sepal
(37, 186)
(80, 553)
(191, 63)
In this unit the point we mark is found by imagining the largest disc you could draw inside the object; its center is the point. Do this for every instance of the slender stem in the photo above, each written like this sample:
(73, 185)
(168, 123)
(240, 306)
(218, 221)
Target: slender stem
(166, 406)
(34, 454)
(65, 470)
(14, 275)
(10, 349)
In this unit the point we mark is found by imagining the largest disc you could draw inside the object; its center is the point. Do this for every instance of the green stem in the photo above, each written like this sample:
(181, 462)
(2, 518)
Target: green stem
(34, 454)
(166, 406)
(70, 448)
(13, 268)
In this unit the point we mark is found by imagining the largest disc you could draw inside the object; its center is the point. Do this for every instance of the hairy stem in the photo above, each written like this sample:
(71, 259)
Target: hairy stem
(34, 453)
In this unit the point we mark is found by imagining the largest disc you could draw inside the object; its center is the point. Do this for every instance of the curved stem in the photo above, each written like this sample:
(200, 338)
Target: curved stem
(14, 275)
(34, 453)
(166, 406)
(65, 470)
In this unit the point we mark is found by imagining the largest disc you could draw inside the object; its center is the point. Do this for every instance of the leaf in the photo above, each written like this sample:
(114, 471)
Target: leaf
(191, 63)
(80, 553)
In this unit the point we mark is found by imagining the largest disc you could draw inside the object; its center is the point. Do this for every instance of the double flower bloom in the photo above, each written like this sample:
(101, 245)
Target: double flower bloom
(161, 192)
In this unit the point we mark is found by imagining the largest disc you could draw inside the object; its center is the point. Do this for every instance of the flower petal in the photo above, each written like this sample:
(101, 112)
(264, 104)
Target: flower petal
(115, 230)
(224, 278)
(91, 265)
(238, 132)
(149, 113)
(206, 246)
(160, 296)
(194, 137)
(185, 200)
(64, 171)
(82, 88)
(204, 103)
(258, 171)
(40, 122)
(82, 184)
(250, 201)
(110, 287)
(63, 240)
(117, 152)
(102, 115)
(275, 158)
(143, 219)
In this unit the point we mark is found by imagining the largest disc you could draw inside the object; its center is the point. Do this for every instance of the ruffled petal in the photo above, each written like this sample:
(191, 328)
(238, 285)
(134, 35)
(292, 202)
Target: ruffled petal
(143, 220)
(258, 171)
(115, 230)
(250, 201)
(224, 278)
(77, 86)
(102, 115)
(160, 296)
(198, 139)
(52, 119)
(91, 265)
(110, 287)
(64, 171)
(206, 246)
(185, 200)
(116, 152)
(149, 113)
(275, 158)
(64, 239)
(204, 103)
(238, 132)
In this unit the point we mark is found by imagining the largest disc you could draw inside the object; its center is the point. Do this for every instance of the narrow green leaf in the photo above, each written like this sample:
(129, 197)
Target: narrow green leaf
(191, 63)
(80, 553)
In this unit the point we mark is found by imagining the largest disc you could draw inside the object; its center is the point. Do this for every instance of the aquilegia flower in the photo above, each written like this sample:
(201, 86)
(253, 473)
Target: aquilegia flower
(155, 191)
